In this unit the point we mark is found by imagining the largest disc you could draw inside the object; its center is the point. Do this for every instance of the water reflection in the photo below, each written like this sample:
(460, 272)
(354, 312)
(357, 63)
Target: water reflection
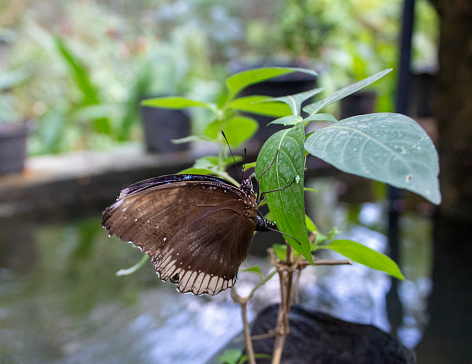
(61, 302)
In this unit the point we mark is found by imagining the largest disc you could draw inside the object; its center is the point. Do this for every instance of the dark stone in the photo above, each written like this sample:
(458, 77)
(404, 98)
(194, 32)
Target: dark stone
(318, 338)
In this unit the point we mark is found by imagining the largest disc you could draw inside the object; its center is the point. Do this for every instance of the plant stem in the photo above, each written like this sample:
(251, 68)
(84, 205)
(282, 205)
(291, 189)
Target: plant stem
(282, 329)
(247, 333)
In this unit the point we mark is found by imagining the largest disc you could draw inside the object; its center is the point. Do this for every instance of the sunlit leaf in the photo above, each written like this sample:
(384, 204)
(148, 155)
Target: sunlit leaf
(364, 255)
(310, 224)
(390, 148)
(176, 103)
(253, 105)
(243, 79)
(237, 130)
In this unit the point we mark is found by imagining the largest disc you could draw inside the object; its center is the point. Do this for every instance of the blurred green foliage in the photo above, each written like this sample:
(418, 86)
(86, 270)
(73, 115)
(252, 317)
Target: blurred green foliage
(91, 62)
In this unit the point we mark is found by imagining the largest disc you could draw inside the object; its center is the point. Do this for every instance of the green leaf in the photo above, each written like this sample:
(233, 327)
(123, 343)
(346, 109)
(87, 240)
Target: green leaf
(321, 117)
(280, 251)
(310, 224)
(230, 356)
(255, 269)
(241, 80)
(249, 165)
(191, 138)
(134, 268)
(346, 91)
(390, 148)
(287, 206)
(197, 170)
(213, 161)
(12, 78)
(177, 103)
(237, 130)
(84, 83)
(295, 101)
(287, 120)
(254, 105)
(364, 255)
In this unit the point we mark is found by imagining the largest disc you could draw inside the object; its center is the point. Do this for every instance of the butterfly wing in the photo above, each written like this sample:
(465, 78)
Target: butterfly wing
(196, 232)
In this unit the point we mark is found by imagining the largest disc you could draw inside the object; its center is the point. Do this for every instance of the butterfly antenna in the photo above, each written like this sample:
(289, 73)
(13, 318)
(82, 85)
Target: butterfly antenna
(258, 179)
(290, 236)
(232, 155)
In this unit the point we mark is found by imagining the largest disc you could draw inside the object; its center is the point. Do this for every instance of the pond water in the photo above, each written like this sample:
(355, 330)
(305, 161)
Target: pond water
(61, 301)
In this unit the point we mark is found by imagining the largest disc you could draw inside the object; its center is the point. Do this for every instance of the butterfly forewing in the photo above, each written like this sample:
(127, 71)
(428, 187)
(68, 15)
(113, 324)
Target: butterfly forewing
(197, 233)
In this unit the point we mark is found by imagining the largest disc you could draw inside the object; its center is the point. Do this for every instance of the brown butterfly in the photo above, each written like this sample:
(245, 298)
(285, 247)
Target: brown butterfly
(197, 229)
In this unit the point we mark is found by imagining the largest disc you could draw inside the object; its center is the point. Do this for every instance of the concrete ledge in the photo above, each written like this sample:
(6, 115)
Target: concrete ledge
(89, 178)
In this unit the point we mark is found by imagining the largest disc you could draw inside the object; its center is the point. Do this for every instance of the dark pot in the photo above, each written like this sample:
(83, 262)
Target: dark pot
(13, 147)
(316, 337)
(424, 89)
(358, 103)
(163, 125)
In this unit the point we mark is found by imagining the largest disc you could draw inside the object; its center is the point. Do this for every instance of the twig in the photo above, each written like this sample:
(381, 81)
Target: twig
(285, 271)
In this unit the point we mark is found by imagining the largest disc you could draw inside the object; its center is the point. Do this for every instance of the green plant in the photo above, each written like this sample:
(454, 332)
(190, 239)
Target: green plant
(9, 111)
(386, 147)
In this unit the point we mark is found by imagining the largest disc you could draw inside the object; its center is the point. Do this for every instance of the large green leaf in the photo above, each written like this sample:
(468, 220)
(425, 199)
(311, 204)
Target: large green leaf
(241, 80)
(295, 101)
(287, 206)
(364, 255)
(342, 93)
(253, 105)
(390, 148)
(237, 129)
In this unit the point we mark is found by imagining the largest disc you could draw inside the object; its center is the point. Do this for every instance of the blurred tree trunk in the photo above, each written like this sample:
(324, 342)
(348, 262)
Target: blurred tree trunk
(449, 336)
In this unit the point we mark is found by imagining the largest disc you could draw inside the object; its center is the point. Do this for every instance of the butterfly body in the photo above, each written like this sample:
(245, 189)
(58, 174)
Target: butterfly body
(197, 229)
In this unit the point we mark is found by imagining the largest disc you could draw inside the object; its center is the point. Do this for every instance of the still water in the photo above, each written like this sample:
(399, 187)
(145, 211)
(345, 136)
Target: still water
(61, 301)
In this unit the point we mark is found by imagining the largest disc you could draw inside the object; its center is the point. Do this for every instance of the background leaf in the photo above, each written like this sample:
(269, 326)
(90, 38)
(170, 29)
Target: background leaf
(241, 80)
(321, 117)
(295, 101)
(176, 103)
(84, 83)
(253, 105)
(287, 206)
(342, 93)
(237, 130)
(364, 255)
(390, 148)
(287, 120)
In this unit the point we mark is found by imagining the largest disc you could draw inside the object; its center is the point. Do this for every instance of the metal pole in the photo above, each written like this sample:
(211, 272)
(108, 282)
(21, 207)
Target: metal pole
(394, 308)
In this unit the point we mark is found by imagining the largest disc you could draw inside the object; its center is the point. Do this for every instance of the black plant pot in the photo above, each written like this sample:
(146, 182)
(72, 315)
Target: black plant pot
(358, 103)
(316, 337)
(424, 90)
(13, 147)
(163, 125)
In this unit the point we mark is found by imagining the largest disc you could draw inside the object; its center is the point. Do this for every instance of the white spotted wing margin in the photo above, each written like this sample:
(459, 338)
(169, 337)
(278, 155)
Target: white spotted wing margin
(196, 229)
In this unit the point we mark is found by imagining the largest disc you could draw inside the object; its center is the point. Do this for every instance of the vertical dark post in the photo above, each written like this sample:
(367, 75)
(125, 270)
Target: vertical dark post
(395, 204)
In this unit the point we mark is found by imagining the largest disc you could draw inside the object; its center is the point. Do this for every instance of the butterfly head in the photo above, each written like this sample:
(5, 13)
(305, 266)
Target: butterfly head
(247, 186)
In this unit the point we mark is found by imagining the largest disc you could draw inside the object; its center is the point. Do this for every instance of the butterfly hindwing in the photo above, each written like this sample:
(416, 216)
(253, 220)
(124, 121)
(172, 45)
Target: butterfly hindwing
(196, 232)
